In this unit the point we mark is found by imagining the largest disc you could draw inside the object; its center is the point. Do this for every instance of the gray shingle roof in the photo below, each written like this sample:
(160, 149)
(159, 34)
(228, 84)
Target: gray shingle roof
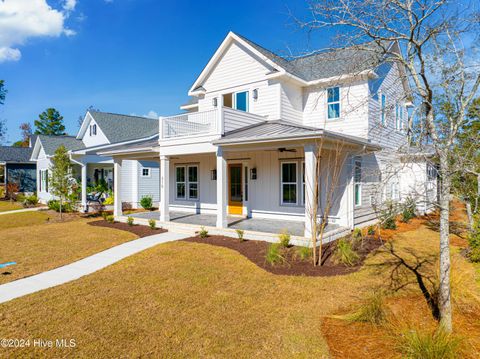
(51, 143)
(147, 143)
(15, 154)
(328, 63)
(119, 128)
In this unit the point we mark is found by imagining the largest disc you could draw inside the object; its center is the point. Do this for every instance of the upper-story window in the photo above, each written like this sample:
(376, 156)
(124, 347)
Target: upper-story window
(399, 117)
(237, 100)
(333, 103)
(93, 130)
(383, 105)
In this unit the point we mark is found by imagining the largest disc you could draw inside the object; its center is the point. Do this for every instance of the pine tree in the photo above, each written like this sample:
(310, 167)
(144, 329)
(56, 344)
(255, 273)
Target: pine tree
(50, 122)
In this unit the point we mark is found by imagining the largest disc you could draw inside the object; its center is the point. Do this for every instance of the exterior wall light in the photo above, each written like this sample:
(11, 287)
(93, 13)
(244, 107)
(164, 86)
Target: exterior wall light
(214, 102)
(253, 174)
(213, 175)
(255, 94)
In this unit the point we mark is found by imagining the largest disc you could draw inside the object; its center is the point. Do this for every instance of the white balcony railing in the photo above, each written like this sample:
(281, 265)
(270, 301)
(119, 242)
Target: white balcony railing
(212, 122)
(188, 124)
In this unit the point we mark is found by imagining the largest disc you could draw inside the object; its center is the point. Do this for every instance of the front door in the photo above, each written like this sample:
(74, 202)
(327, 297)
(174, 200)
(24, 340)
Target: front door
(235, 197)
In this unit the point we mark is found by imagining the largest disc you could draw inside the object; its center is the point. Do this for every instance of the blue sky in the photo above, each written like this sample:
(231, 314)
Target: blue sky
(131, 56)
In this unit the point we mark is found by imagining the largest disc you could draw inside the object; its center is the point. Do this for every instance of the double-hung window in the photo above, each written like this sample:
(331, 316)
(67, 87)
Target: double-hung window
(241, 101)
(333, 103)
(383, 105)
(145, 172)
(43, 180)
(289, 182)
(358, 181)
(186, 182)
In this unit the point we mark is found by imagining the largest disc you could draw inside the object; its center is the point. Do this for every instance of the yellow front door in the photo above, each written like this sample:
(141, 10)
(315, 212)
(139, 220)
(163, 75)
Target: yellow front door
(235, 196)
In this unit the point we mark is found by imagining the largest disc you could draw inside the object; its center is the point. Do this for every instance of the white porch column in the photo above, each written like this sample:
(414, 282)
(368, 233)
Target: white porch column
(310, 173)
(164, 188)
(221, 189)
(84, 187)
(117, 179)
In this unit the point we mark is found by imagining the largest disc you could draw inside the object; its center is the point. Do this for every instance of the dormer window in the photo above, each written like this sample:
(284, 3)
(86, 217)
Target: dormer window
(93, 130)
(333, 103)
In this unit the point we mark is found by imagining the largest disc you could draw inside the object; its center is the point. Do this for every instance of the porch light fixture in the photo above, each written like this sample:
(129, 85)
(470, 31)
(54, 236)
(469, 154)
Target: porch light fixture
(213, 175)
(255, 94)
(253, 174)
(214, 102)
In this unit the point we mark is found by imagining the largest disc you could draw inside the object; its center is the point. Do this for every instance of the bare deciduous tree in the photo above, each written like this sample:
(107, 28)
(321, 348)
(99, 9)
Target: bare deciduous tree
(437, 41)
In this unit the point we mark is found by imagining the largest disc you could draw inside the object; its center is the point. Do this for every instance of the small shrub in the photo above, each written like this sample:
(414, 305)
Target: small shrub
(304, 253)
(146, 202)
(105, 215)
(371, 230)
(152, 223)
(109, 201)
(130, 220)
(357, 233)
(408, 210)
(203, 233)
(372, 310)
(284, 238)
(110, 218)
(388, 216)
(240, 233)
(20, 198)
(29, 201)
(274, 254)
(418, 344)
(54, 205)
(345, 254)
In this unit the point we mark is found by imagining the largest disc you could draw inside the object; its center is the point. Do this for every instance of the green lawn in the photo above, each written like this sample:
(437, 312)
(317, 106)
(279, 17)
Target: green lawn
(9, 206)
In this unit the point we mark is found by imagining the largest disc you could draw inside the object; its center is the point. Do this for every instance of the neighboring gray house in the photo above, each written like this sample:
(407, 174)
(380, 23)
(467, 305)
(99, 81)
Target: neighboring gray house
(17, 168)
(99, 131)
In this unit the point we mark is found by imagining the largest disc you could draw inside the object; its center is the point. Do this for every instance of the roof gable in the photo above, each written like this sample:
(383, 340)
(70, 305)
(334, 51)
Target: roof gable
(49, 144)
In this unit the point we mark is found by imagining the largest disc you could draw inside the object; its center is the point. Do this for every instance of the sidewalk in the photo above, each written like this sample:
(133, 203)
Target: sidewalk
(82, 267)
(23, 210)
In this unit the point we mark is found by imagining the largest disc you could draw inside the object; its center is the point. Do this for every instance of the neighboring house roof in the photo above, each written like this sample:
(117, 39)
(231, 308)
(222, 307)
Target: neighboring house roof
(51, 143)
(15, 154)
(120, 128)
(283, 130)
(146, 145)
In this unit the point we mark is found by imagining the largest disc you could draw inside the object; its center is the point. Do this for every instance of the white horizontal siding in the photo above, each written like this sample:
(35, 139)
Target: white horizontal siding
(353, 109)
(235, 119)
(291, 103)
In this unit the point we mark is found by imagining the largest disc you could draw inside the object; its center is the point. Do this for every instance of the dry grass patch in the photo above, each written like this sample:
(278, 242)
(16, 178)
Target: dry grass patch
(9, 206)
(47, 245)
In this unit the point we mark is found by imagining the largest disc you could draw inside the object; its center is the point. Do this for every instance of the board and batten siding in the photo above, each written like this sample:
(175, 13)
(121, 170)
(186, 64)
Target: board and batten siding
(353, 109)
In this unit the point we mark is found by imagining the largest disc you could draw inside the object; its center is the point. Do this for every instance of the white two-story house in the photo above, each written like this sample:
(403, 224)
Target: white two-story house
(248, 142)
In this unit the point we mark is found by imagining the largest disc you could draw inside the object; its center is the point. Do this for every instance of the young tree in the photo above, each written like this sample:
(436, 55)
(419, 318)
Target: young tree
(26, 130)
(437, 40)
(60, 181)
(50, 122)
(3, 127)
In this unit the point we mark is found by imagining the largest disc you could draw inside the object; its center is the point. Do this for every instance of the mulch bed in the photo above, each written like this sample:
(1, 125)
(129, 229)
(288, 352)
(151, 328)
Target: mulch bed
(255, 251)
(141, 231)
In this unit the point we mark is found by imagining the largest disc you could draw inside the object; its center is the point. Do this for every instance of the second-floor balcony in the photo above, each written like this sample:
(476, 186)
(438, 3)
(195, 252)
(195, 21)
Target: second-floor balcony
(211, 122)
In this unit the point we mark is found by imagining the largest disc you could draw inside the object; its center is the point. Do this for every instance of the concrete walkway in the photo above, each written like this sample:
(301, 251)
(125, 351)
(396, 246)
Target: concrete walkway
(23, 210)
(82, 267)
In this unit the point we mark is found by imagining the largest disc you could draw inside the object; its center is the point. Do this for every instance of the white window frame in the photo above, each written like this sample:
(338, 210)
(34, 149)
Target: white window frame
(44, 181)
(383, 109)
(333, 103)
(289, 183)
(187, 183)
(149, 172)
(235, 100)
(357, 184)
(197, 182)
(395, 191)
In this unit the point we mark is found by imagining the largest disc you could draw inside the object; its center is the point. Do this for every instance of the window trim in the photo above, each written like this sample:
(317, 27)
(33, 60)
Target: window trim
(357, 184)
(247, 99)
(282, 203)
(333, 103)
(149, 172)
(187, 183)
(383, 108)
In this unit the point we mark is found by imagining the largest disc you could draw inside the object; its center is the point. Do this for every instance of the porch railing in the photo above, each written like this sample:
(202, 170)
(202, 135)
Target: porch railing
(188, 124)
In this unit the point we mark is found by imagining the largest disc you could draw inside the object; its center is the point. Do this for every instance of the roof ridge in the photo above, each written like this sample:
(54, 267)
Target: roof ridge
(121, 114)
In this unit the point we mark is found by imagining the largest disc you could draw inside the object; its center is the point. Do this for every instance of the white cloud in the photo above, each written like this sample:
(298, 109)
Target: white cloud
(151, 114)
(24, 19)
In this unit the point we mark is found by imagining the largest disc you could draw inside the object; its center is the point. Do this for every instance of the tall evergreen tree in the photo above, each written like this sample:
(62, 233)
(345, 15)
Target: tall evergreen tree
(50, 122)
